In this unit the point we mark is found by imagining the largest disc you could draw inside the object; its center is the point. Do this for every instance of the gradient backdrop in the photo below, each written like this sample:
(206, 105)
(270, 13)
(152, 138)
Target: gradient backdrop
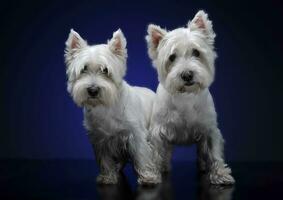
(40, 121)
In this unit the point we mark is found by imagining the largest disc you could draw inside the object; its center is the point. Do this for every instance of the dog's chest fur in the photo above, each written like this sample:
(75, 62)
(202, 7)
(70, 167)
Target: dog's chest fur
(107, 121)
(185, 116)
(129, 115)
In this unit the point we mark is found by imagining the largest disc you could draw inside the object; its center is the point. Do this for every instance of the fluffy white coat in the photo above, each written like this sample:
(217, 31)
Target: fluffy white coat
(116, 115)
(183, 111)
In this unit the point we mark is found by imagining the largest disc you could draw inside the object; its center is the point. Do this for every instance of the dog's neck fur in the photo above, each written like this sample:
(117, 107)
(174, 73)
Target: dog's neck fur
(178, 99)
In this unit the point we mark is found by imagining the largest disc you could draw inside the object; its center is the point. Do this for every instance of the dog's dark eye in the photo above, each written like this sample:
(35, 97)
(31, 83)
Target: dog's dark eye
(172, 57)
(195, 53)
(84, 70)
(104, 70)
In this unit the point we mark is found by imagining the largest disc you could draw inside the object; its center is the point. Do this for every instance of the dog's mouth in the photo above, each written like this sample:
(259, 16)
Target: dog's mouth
(92, 101)
(190, 87)
(190, 83)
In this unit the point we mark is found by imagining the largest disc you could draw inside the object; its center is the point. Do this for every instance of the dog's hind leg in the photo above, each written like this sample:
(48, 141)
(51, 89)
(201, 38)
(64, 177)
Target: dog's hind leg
(167, 156)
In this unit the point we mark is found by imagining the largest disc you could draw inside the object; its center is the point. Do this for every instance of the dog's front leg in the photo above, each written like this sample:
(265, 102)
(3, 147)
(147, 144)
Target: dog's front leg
(162, 148)
(107, 158)
(142, 157)
(109, 168)
(210, 150)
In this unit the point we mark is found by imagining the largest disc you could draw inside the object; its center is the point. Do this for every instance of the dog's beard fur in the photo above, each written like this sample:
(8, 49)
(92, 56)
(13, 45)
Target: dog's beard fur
(174, 84)
(107, 96)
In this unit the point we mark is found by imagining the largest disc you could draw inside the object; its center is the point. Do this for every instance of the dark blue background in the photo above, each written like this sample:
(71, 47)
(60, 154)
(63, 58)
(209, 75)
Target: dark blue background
(39, 119)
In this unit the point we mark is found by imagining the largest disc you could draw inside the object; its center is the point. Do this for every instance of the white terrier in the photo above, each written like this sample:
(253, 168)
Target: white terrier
(183, 112)
(116, 115)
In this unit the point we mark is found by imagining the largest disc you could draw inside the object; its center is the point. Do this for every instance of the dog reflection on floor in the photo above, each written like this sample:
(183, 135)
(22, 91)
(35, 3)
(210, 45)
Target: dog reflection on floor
(206, 191)
(162, 191)
(120, 191)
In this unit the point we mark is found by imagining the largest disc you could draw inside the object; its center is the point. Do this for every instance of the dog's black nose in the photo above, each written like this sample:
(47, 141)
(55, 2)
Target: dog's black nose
(93, 91)
(188, 76)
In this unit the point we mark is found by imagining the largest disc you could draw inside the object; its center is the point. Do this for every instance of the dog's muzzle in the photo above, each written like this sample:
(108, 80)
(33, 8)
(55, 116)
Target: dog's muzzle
(188, 77)
(93, 91)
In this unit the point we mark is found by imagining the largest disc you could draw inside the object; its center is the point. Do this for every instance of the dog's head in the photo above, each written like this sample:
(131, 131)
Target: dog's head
(184, 57)
(95, 73)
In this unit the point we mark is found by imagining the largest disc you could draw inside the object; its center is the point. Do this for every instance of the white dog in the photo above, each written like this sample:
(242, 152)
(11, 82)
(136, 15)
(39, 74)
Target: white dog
(183, 112)
(116, 115)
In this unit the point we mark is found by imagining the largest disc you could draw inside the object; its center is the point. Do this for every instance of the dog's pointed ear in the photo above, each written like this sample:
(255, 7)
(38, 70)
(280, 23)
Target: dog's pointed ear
(155, 35)
(202, 23)
(118, 43)
(73, 44)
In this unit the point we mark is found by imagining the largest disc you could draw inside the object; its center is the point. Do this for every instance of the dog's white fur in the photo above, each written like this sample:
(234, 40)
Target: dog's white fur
(117, 118)
(184, 113)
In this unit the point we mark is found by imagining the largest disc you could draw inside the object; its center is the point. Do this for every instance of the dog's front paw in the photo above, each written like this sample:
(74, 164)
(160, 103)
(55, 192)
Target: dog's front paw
(221, 176)
(107, 179)
(149, 178)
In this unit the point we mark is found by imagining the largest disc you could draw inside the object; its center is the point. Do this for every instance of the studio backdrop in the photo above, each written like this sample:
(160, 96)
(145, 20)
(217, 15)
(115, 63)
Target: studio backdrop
(40, 121)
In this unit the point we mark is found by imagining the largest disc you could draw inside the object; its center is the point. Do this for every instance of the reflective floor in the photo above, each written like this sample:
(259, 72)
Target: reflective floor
(63, 179)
